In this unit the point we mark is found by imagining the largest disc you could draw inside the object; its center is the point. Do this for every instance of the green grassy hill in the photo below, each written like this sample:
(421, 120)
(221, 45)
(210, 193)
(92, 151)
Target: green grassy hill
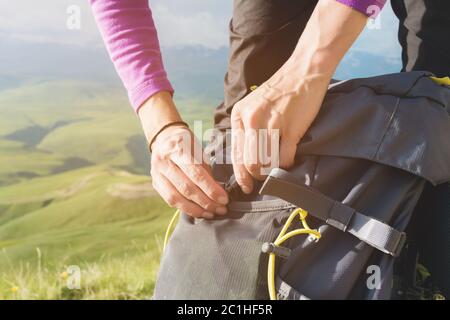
(93, 216)
(51, 127)
(73, 191)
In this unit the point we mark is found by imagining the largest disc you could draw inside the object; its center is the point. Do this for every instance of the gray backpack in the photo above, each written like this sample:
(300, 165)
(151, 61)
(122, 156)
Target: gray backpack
(359, 173)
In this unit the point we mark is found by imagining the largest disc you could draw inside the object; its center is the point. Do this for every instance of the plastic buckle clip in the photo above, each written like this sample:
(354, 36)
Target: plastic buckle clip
(282, 252)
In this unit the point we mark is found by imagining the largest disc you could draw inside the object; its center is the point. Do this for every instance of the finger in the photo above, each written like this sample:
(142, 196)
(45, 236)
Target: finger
(251, 152)
(175, 200)
(273, 142)
(269, 150)
(288, 148)
(243, 177)
(189, 190)
(264, 145)
(201, 178)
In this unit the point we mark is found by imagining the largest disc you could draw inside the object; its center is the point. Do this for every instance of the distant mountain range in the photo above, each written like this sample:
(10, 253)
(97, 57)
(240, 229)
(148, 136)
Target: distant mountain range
(195, 71)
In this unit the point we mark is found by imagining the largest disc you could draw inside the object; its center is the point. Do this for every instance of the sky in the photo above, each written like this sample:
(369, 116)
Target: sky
(34, 24)
(179, 22)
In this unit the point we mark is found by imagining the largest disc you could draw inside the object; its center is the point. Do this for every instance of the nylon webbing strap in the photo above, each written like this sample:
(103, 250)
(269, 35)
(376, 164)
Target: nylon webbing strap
(379, 235)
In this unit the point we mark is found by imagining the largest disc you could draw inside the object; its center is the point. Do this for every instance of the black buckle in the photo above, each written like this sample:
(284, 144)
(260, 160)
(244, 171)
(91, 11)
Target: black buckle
(282, 252)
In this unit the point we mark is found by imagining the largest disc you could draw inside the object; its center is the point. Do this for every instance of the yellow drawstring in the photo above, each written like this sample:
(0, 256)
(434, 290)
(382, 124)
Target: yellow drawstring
(169, 228)
(442, 81)
(283, 236)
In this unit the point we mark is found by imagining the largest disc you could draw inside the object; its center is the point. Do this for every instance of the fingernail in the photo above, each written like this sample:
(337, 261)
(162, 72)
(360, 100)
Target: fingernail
(246, 189)
(223, 200)
(208, 215)
(221, 210)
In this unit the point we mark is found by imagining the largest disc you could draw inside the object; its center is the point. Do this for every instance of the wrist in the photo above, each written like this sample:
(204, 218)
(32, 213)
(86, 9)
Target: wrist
(315, 61)
(156, 112)
(167, 130)
(305, 68)
(291, 82)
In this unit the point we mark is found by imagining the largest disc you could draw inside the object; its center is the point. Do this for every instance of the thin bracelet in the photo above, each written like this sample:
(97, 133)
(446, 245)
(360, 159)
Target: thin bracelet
(174, 123)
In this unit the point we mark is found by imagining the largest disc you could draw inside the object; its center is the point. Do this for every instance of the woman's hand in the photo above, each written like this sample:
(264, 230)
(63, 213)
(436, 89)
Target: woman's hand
(289, 101)
(179, 173)
(285, 110)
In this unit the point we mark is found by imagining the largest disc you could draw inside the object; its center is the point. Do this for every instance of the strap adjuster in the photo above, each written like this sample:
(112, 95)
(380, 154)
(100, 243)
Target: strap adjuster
(270, 247)
(374, 232)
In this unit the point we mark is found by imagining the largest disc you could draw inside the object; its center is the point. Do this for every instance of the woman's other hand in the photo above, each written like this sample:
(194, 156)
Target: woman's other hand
(179, 173)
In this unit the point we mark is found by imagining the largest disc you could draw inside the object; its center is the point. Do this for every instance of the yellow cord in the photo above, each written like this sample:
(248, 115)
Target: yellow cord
(169, 228)
(444, 81)
(282, 237)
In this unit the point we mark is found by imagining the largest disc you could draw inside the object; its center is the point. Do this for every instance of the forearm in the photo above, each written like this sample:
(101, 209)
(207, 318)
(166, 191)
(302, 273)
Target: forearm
(130, 36)
(290, 100)
(330, 32)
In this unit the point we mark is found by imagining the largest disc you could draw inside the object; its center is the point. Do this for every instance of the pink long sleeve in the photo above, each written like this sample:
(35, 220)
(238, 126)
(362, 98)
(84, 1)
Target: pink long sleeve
(130, 36)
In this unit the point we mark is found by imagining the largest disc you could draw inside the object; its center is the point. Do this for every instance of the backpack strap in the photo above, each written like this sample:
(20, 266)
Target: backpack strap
(376, 233)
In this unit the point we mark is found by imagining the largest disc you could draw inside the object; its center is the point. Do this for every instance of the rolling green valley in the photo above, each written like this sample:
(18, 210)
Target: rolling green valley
(75, 190)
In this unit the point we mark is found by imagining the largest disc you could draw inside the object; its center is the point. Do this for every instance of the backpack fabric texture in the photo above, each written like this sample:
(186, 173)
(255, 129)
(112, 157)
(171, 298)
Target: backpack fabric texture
(359, 169)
